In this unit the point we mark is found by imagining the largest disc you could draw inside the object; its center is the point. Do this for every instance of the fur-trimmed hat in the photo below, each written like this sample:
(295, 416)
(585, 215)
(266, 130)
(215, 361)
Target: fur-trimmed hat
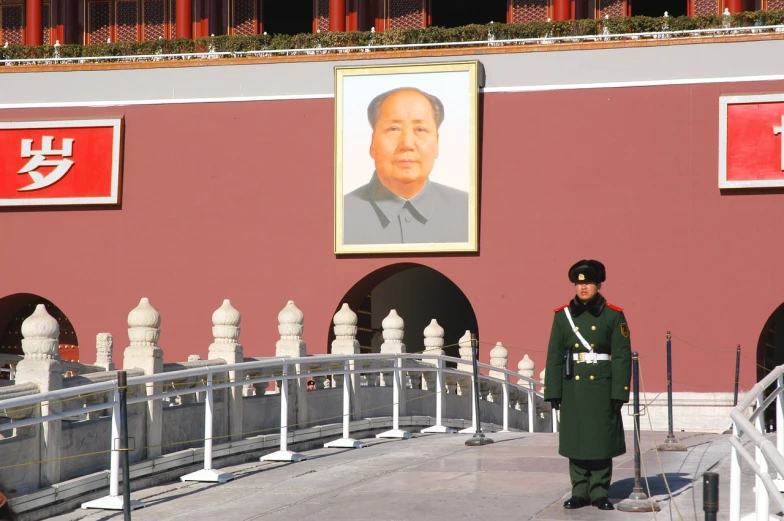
(587, 271)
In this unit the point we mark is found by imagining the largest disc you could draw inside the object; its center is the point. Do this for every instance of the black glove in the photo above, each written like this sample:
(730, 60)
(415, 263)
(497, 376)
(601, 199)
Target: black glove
(555, 403)
(617, 405)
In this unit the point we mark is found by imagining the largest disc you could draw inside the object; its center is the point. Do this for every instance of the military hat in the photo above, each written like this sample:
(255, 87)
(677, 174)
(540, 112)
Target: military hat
(587, 271)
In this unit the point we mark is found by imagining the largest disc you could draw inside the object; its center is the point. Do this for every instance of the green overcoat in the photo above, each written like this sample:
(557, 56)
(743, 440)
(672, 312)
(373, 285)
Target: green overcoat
(589, 428)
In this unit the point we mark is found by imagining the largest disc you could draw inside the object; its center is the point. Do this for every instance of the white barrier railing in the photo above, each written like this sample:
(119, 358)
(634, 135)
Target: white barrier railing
(718, 31)
(400, 368)
(765, 451)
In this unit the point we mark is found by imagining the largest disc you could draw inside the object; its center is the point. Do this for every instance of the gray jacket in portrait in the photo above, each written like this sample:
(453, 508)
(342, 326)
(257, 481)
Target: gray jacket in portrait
(374, 215)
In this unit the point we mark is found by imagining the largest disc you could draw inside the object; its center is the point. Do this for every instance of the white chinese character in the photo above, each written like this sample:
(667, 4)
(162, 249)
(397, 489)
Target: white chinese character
(38, 159)
(780, 130)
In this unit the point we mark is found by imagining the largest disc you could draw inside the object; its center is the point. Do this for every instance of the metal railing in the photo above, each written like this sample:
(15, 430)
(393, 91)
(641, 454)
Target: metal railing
(765, 453)
(490, 42)
(397, 364)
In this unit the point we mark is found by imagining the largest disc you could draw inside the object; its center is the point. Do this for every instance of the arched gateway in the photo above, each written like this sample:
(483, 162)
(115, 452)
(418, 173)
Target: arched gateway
(14, 309)
(419, 294)
(770, 353)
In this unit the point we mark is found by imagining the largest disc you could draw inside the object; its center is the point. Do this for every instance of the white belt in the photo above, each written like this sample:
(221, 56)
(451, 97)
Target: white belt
(591, 357)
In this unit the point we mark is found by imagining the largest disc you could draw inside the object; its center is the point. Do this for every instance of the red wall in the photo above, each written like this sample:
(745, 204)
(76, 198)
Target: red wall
(234, 200)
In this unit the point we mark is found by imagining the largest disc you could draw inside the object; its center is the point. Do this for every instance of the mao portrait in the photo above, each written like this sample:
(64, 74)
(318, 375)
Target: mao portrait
(405, 158)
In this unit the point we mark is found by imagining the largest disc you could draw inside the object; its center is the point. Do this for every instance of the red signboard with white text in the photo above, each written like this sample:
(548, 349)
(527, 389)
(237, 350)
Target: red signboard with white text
(69, 162)
(751, 134)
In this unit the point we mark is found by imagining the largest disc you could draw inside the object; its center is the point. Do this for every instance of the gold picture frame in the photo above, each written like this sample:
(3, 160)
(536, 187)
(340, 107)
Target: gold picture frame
(405, 183)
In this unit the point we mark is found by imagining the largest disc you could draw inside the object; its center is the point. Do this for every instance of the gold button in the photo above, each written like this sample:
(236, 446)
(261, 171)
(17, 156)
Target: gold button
(577, 377)
(591, 377)
(577, 328)
(576, 345)
(593, 328)
(592, 345)
(626, 388)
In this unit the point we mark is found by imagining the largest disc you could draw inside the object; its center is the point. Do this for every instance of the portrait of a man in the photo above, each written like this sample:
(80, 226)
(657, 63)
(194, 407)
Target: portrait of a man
(400, 204)
(406, 172)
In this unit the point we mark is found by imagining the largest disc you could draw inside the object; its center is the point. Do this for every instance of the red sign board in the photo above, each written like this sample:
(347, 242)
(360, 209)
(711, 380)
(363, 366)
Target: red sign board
(45, 163)
(751, 134)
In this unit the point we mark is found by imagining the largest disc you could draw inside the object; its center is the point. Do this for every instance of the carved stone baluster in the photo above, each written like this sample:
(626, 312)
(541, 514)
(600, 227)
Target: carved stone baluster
(526, 368)
(392, 332)
(498, 358)
(104, 346)
(464, 382)
(41, 366)
(434, 343)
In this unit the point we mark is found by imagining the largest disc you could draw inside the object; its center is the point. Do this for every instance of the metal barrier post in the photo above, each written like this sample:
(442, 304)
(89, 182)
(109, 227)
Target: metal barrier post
(506, 403)
(762, 497)
(207, 474)
(396, 432)
(119, 435)
(438, 428)
(710, 495)
(638, 501)
(284, 454)
(670, 443)
(779, 427)
(478, 438)
(737, 375)
(531, 407)
(734, 480)
(346, 442)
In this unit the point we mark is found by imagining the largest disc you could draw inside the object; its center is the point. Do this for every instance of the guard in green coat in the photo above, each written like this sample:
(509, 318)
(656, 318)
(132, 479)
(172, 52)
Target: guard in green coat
(587, 378)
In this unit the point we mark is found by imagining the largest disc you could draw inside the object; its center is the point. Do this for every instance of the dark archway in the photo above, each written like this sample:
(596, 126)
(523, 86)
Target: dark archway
(287, 16)
(656, 8)
(14, 309)
(456, 13)
(419, 294)
(770, 354)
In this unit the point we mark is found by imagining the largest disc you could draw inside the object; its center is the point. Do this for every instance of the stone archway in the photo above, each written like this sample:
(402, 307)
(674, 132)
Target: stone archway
(14, 309)
(419, 294)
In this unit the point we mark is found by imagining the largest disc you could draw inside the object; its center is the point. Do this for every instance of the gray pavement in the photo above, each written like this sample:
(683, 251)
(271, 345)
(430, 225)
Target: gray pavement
(437, 477)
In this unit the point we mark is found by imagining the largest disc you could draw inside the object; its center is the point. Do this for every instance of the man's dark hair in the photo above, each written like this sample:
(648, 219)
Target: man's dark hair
(374, 108)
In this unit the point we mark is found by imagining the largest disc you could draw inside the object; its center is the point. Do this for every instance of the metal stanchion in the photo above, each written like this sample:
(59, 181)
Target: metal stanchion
(737, 379)
(478, 438)
(638, 501)
(710, 495)
(737, 376)
(670, 443)
(122, 388)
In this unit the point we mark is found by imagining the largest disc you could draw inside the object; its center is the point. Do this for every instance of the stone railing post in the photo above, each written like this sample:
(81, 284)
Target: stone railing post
(499, 356)
(291, 324)
(346, 343)
(41, 366)
(104, 346)
(143, 353)
(226, 333)
(526, 368)
(464, 382)
(392, 327)
(434, 344)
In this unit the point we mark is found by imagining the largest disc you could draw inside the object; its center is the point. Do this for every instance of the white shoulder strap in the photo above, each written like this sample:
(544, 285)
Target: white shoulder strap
(576, 332)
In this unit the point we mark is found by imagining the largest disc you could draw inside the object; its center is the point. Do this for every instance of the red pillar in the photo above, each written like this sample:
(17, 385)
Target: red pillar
(34, 26)
(352, 18)
(381, 15)
(562, 10)
(216, 23)
(184, 19)
(337, 16)
(735, 6)
(71, 19)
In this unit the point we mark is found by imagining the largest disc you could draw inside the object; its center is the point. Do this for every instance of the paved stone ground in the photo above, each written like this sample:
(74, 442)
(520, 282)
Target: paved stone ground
(438, 477)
